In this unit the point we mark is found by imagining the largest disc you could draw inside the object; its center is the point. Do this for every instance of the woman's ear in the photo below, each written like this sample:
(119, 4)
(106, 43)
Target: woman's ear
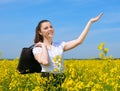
(40, 33)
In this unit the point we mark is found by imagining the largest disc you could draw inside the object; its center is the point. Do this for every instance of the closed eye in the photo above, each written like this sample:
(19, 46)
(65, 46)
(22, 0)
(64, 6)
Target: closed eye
(45, 28)
(51, 27)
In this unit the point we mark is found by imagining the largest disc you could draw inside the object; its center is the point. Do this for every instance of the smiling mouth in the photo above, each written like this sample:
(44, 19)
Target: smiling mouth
(51, 34)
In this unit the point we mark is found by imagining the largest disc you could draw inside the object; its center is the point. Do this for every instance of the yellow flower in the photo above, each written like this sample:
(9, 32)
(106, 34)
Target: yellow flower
(111, 57)
(55, 59)
(98, 86)
(90, 84)
(114, 70)
(56, 70)
(106, 50)
(80, 75)
(101, 55)
(101, 46)
(80, 85)
(38, 88)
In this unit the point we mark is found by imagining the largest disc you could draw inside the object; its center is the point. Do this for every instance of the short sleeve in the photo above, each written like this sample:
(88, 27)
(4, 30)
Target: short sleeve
(37, 50)
(63, 44)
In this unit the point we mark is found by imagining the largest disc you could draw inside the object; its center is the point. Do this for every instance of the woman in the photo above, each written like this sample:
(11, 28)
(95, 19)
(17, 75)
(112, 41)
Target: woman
(49, 53)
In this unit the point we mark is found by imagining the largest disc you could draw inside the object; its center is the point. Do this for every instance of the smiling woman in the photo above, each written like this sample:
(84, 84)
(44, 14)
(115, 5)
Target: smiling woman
(49, 53)
(46, 24)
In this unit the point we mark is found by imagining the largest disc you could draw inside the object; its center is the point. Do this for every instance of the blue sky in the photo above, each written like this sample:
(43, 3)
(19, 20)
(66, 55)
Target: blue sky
(18, 19)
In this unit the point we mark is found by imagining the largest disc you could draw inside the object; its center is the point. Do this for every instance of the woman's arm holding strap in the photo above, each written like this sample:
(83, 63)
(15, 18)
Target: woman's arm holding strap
(42, 57)
(71, 44)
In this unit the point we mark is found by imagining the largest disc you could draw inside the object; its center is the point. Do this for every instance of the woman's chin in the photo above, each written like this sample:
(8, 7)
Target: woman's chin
(50, 36)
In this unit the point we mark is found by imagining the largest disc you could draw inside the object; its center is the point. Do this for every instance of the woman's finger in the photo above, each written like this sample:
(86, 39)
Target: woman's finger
(38, 44)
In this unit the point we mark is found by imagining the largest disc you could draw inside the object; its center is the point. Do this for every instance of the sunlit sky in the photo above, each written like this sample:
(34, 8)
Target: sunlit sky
(18, 20)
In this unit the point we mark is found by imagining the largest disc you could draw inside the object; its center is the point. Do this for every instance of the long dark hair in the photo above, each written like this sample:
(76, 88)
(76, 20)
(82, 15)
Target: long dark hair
(39, 37)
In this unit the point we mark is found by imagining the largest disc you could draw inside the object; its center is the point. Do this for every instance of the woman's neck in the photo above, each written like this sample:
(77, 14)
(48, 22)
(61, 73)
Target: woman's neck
(48, 43)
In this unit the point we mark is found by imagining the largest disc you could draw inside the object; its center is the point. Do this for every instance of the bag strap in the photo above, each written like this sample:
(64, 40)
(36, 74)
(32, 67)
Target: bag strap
(31, 47)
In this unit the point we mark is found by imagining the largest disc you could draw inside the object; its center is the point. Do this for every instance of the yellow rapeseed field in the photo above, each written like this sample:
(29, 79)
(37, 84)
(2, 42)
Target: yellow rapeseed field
(81, 75)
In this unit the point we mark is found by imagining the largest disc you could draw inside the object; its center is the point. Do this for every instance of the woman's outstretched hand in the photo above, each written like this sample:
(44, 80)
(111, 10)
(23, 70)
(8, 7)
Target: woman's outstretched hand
(96, 18)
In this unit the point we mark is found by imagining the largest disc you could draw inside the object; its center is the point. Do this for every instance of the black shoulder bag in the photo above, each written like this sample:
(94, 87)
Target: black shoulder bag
(27, 62)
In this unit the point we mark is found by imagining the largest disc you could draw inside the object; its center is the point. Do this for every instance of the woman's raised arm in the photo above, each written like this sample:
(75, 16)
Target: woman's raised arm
(71, 44)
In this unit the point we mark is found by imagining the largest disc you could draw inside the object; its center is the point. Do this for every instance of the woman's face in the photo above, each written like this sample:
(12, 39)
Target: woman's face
(47, 30)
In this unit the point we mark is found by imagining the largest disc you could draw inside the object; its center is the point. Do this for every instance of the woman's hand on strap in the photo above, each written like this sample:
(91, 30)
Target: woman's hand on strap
(39, 44)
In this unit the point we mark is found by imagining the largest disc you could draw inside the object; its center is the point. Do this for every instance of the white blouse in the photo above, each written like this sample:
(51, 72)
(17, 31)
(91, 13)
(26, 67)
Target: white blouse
(55, 57)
